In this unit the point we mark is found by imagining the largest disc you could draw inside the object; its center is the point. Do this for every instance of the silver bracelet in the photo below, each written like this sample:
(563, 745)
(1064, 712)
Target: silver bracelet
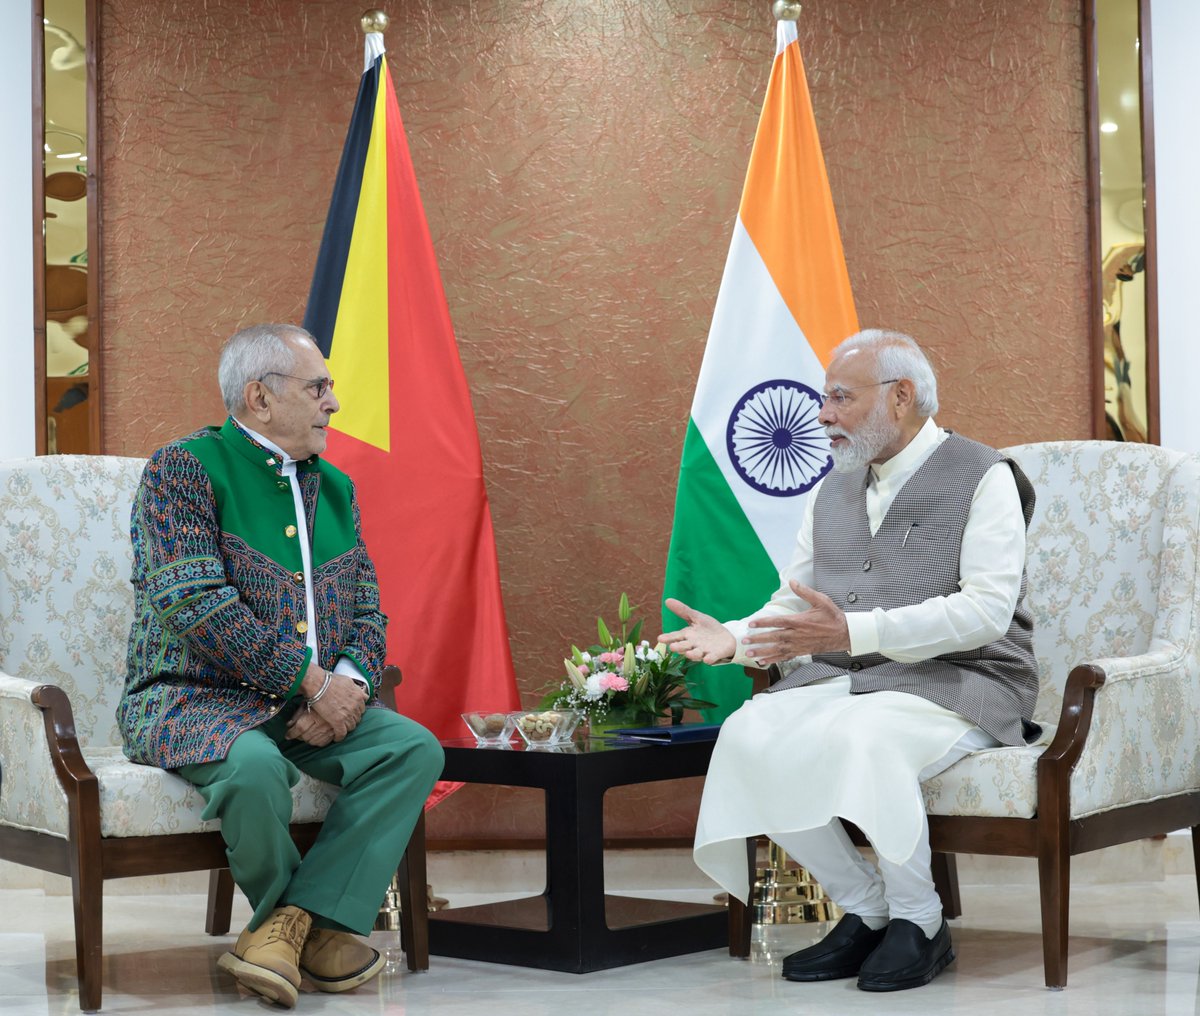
(324, 688)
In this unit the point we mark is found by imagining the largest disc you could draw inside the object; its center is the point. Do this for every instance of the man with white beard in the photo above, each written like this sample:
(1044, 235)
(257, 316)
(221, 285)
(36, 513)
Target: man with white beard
(901, 630)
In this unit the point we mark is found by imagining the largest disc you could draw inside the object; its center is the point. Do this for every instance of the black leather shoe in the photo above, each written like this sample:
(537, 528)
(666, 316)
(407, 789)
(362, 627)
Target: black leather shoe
(906, 958)
(838, 954)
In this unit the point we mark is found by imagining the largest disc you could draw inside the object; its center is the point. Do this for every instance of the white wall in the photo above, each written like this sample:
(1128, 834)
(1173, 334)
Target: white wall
(16, 214)
(1175, 53)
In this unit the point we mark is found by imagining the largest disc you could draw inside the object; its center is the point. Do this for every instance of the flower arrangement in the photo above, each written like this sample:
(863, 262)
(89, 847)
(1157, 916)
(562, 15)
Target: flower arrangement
(623, 673)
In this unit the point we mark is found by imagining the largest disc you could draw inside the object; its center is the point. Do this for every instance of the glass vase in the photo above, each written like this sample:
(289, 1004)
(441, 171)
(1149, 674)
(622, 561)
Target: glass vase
(616, 719)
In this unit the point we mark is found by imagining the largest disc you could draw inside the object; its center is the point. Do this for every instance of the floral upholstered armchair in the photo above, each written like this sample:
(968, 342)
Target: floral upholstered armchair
(1114, 589)
(70, 802)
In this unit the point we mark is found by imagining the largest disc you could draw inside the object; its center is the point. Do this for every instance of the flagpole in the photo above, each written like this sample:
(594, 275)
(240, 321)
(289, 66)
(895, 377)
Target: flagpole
(374, 23)
(786, 10)
(375, 20)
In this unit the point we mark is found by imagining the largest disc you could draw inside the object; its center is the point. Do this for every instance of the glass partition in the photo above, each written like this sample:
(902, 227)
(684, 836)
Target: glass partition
(1122, 200)
(66, 300)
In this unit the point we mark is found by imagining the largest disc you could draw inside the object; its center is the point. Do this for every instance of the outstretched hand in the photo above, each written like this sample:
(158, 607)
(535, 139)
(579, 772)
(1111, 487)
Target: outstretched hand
(820, 629)
(704, 639)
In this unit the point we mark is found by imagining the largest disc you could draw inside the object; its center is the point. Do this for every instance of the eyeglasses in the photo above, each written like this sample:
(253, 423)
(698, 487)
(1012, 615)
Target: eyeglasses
(839, 397)
(317, 385)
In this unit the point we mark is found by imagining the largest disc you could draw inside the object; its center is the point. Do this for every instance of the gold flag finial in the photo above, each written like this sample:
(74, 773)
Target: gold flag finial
(374, 20)
(786, 10)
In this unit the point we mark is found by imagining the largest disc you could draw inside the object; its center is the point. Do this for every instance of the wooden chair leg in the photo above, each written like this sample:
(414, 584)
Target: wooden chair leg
(740, 921)
(87, 891)
(414, 901)
(1054, 877)
(1196, 855)
(945, 881)
(220, 901)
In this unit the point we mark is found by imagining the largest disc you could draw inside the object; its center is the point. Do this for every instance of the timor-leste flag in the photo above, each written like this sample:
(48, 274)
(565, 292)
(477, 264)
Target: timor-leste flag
(406, 432)
(753, 447)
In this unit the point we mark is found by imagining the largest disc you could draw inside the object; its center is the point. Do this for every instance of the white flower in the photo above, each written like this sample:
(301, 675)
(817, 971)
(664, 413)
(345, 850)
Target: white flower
(587, 657)
(592, 689)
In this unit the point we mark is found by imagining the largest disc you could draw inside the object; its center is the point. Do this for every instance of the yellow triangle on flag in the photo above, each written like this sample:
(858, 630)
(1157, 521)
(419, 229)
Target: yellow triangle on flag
(358, 360)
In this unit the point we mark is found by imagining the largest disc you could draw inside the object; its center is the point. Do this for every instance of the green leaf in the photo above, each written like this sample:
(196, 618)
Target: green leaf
(602, 628)
(551, 699)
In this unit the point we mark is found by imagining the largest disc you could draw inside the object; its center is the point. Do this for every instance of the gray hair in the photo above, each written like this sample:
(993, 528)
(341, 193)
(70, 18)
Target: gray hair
(897, 356)
(250, 354)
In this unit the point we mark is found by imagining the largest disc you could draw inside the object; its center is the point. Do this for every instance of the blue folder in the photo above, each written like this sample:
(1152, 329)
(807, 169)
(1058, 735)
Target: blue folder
(680, 733)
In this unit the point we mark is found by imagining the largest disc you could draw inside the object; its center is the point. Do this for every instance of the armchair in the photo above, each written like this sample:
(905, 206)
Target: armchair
(70, 802)
(1113, 560)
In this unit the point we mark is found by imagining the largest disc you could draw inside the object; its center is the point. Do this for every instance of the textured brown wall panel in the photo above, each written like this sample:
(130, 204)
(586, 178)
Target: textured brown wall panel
(581, 166)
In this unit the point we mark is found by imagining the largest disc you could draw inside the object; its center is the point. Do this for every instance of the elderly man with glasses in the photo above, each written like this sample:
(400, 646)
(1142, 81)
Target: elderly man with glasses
(902, 631)
(254, 656)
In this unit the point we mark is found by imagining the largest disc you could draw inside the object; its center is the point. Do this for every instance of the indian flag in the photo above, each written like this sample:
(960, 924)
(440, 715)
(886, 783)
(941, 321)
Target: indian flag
(754, 448)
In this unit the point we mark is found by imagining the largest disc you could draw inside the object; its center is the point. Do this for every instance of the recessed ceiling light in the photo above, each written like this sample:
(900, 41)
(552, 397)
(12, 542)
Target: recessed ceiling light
(1108, 127)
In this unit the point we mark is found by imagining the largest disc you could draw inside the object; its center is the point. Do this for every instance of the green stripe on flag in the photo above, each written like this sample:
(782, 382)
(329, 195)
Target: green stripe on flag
(716, 564)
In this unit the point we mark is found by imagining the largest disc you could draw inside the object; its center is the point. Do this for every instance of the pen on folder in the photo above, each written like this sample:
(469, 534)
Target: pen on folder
(907, 534)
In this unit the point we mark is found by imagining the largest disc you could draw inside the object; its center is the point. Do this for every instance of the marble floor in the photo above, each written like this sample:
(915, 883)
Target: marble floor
(1135, 949)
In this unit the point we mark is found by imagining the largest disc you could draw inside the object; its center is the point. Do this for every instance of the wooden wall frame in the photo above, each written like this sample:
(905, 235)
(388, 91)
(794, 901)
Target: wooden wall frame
(1100, 428)
(38, 37)
(95, 373)
(1147, 111)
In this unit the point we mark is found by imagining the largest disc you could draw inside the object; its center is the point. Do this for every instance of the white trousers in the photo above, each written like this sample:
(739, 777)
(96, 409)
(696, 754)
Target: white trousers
(893, 890)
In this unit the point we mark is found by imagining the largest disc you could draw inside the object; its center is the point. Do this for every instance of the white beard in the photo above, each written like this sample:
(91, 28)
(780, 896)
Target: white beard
(873, 435)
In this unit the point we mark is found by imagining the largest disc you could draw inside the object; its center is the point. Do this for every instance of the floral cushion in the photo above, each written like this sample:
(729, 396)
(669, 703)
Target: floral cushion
(65, 609)
(135, 800)
(138, 800)
(998, 782)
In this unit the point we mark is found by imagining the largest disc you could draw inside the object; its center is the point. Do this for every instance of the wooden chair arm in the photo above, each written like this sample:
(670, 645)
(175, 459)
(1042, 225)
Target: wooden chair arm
(70, 767)
(1056, 762)
(389, 681)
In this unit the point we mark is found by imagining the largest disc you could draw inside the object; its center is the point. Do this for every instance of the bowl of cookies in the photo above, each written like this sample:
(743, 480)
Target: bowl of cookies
(490, 728)
(546, 728)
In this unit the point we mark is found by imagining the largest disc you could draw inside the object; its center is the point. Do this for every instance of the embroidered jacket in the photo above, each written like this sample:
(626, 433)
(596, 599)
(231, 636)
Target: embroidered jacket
(218, 642)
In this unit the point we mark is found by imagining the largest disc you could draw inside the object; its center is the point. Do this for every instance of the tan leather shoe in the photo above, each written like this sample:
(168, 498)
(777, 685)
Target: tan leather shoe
(337, 961)
(266, 960)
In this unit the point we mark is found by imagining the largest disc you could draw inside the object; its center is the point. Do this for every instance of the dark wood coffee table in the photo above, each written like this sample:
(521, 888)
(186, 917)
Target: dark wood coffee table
(573, 925)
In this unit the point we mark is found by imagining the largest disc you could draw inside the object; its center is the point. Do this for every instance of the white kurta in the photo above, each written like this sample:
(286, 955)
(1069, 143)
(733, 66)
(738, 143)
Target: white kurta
(839, 755)
(793, 760)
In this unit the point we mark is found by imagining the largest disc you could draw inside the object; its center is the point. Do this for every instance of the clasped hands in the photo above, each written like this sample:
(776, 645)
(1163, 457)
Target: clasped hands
(334, 715)
(820, 629)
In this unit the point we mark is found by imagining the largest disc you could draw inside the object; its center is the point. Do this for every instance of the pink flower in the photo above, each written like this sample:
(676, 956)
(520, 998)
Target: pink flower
(613, 682)
(612, 657)
(583, 669)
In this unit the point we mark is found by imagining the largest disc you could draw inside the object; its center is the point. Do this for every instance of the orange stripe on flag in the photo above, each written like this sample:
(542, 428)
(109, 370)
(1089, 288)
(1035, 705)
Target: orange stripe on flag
(787, 209)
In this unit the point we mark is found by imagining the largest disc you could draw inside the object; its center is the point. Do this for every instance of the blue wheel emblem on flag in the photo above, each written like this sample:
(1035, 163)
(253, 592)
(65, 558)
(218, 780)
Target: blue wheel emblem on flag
(775, 442)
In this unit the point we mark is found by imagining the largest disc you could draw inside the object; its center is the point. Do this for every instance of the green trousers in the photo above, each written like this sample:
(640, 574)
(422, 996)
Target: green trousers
(385, 768)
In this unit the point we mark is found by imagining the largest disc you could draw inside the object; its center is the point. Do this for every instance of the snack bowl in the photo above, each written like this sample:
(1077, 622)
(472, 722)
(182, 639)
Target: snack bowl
(543, 728)
(490, 728)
